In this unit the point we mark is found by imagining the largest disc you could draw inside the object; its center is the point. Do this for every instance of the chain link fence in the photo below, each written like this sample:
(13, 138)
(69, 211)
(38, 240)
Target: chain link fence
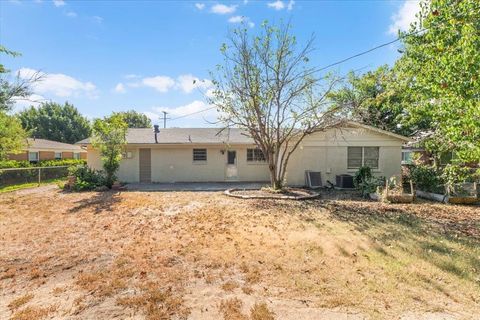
(31, 175)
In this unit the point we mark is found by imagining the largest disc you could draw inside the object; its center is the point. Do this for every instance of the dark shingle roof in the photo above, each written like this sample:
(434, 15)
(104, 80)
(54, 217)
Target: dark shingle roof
(185, 136)
(50, 144)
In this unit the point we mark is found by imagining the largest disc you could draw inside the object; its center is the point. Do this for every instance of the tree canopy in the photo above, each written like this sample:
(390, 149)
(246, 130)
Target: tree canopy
(440, 72)
(12, 136)
(267, 87)
(135, 119)
(109, 136)
(57, 122)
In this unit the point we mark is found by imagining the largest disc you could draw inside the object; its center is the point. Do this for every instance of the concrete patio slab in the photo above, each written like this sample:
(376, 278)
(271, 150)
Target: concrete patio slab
(194, 186)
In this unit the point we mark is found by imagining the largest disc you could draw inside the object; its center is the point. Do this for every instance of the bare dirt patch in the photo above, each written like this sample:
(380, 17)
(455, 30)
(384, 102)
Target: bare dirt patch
(180, 255)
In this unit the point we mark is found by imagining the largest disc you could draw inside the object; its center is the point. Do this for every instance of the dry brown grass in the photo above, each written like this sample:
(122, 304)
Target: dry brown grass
(152, 254)
(260, 311)
(33, 313)
(232, 309)
(20, 301)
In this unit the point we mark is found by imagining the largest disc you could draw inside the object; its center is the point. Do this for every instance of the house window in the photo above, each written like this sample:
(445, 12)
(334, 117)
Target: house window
(58, 155)
(407, 157)
(33, 156)
(255, 155)
(363, 156)
(76, 155)
(127, 155)
(199, 154)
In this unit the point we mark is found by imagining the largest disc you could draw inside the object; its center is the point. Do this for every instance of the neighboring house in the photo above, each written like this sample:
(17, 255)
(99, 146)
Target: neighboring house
(205, 155)
(41, 149)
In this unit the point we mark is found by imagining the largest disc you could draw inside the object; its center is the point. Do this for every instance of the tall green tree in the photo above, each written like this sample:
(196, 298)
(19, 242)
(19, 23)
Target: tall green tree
(12, 136)
(16, 88)
(135, 119)
(440, 69)
(267, 86)
(57, 122)
(378, 100)
(109, 137)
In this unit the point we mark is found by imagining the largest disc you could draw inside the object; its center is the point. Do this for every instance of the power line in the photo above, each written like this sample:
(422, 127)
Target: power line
(190, 114)
(368, 51)
(326, 67)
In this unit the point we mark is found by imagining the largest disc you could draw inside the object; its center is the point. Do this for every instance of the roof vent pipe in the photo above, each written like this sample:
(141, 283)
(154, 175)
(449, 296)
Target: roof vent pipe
(156, 131)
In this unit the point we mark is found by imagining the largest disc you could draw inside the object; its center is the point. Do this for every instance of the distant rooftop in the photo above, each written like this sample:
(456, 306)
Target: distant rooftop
(185, 136)
(34, 143)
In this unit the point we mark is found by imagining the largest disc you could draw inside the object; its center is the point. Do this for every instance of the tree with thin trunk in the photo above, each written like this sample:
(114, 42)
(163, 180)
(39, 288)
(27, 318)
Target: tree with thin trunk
(267, 87)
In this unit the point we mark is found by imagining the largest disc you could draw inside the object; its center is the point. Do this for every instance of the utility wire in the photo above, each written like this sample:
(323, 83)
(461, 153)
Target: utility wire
(326, 67)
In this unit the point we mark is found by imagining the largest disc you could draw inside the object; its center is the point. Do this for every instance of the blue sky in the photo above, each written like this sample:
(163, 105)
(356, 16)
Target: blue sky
(106, 56)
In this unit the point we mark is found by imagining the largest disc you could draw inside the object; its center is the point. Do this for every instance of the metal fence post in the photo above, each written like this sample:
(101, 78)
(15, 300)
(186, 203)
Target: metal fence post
(39, 176)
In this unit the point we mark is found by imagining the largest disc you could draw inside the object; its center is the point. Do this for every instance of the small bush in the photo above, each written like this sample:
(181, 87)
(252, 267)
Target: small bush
(86, 178)
(61, 162)
(365, 182)
(427, 178)
(7, 164)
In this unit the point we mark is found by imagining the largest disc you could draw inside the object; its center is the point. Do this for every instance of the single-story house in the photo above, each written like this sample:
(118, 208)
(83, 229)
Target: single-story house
(42, 149)
(205, 155)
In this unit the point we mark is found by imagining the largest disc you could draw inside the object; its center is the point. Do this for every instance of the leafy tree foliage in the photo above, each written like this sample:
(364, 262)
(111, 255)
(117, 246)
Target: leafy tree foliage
(135, 119)
(56, 122)
(13, 89)
(378, 100)
(109, 136)
(440, 70)
(267, 87)
(12, 136)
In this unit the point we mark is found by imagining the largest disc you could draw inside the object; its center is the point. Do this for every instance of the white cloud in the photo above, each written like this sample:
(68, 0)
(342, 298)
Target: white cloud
(159, 83)
(290, 5)
(223, 9)
(240, 19)
(33, 100)
(58, 3)
(184, 110)
(200, 6)
(280, 5)
(97, 19)
(59, 84)
(405, 15)
(120, 88)
(71, 14)
(277, 5)
(131, 76)
(187, 83)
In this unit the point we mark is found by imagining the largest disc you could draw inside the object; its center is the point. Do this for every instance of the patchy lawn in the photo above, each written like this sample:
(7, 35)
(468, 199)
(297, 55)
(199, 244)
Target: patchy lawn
(200, 255)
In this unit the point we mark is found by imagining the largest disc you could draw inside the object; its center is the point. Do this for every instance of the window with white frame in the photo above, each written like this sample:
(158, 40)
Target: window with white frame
(362, 156)
(407, 157)
(58, 155)
(199, 155)
(255, 155)
(33, 156)
(76, 155)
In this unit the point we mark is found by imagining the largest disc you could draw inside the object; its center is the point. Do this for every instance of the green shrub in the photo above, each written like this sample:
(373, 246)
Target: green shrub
(86, 178)
(44, 163)
(427, 178)
(61, 162)
(6, 164)
(365, 182)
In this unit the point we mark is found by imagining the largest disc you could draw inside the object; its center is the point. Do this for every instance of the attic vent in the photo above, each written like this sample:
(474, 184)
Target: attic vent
(313, 179)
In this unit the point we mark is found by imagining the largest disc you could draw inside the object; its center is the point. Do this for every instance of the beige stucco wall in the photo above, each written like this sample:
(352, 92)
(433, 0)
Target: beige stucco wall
(324, 152)
(327, 152)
